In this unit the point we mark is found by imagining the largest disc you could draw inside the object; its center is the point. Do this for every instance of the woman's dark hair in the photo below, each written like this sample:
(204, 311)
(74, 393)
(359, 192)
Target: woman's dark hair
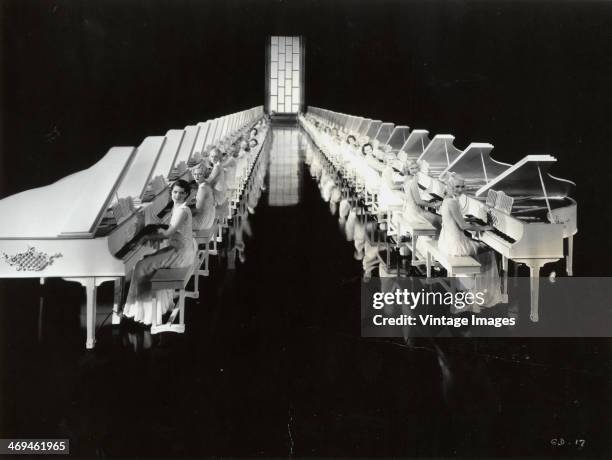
(364, 146)
(254, 140)
(182, 184)
(349, 137)
(254, 129)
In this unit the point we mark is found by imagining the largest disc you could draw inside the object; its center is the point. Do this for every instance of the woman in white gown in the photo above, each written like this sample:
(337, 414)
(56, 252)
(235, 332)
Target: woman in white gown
(230, 164)
(179, 252)
(414, 205)
(204, 214)
(216, 179)
(453, 241)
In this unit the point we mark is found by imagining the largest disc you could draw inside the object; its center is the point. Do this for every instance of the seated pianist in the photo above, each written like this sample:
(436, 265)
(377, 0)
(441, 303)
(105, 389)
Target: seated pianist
(382, 153)
(454, 241)
(367, 149)
(204, 210)
(392, 177)
(179, 252)
(242, 160)
(351, 140)
(230, 163)
(244, 147)
(371, 156)
(216, 178)
(414, 205)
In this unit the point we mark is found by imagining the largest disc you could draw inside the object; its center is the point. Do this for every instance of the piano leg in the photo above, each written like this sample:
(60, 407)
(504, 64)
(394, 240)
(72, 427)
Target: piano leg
(91, 285)
(118, 295)
(505, 281)
(534, 284)
(90, 308)
(569, 259)
(534, 277)
(90, 293)
(220, 234)
(41, 310)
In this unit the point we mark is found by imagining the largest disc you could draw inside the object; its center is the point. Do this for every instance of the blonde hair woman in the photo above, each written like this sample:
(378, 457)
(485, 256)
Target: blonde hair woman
(414, 205)
(453, 241)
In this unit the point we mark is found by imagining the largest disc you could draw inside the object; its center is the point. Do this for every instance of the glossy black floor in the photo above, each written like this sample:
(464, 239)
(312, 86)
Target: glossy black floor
(272, 363)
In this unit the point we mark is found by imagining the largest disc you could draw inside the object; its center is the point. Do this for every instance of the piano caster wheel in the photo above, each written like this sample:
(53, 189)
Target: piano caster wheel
(116, 318)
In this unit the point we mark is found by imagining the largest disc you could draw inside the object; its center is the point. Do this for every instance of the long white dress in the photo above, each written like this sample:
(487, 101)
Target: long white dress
(219, 185)
(453, 241)
(205, 199)
(179, 252)
(229, 168)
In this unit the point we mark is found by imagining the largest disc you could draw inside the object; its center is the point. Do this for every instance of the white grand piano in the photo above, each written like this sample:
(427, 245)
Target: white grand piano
(531, 212)
(83, 227)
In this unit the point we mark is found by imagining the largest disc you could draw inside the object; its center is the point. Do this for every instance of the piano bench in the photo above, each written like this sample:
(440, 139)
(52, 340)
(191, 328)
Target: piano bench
(454, 265)
(205, 239)
(408, 233)
(177, 280)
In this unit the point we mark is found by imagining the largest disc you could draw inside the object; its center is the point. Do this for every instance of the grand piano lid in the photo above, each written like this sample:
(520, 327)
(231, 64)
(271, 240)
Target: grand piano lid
(191, 133)
(384, 132)
(200, 142)
(356, 124)
(524, 179)
(349, 122)
(139, 172)
(224, 125)
(440, 152)
(475, 163)
(417, 142)
(72, 206)
(364, 126)
(169, 152)
(373, 129)
(344, 121)
(398, 137)
(215, 131)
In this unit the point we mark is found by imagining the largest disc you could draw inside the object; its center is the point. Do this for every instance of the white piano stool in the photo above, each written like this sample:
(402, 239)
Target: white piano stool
(454, 265)
(176, 279)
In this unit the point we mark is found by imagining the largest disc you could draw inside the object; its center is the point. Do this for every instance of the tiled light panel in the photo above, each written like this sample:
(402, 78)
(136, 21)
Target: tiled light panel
(285, 70)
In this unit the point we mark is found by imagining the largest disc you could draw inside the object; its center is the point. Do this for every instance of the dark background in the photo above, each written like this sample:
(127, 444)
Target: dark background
(79, 77)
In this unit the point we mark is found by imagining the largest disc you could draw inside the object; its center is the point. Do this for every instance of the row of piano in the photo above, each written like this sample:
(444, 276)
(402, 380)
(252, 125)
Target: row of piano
(79, 227)
(531, 211)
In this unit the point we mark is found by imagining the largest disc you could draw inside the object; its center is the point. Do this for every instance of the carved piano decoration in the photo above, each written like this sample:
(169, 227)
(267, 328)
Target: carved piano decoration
(78, 227)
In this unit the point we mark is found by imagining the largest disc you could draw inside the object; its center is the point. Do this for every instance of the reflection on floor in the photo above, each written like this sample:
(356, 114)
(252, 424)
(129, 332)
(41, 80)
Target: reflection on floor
(272, 363)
